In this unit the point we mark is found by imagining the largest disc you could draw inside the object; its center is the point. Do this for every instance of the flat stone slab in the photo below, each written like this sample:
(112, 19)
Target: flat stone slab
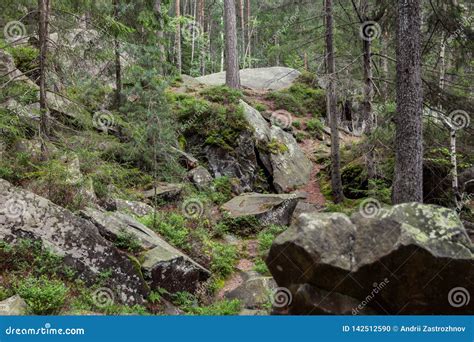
(273, 78)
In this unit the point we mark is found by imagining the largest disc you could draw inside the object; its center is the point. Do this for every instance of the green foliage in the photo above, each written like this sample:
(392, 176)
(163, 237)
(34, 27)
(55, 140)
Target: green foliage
(276, 147)
(265, 240)
(214, 123)
(296, 124)
(11, 127)
(221, 190)
(260, 107)
(22, 92)
(43, 296)
(222, 94)
(300, 99)
(224, 258)
(286, 101)
(243, 226)
(189, 304)
(172, 226)
(314, 126)
(26, 57)
(127, 241)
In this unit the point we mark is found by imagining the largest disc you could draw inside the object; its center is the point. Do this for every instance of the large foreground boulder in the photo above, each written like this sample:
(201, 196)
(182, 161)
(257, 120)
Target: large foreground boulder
(24, 215)
(409, 259)
(268, 208)
(272, 78)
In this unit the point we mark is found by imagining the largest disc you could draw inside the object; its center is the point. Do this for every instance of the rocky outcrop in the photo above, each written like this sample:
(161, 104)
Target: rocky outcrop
(268, 208)
(273, 78)
(13, 306)
(113, 224)
(255, 292)
(166, 267)
(135, 208)
(279, 152)
(163, 191)
(163, 265)
(24, 215)
(241, 163)
(408, 259)
(200, 177)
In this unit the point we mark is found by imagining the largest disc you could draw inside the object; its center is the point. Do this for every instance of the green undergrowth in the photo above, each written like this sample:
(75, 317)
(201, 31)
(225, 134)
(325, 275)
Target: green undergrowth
(265, 240)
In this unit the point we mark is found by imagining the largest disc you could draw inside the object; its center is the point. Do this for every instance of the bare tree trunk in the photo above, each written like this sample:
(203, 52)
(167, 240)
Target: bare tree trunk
(160, 36)
(178, 39)
(118, 66)
(204, 43)
(367, 113)
(249, 36)
(408, 182)
(43, 6)
(336, 182)
(193, 37)
(232, 55)
(385, 64)
(242, 27)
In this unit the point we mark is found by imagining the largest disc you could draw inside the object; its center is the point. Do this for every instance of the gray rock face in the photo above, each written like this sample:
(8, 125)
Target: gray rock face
(414, 255)
(168, 268)
(112, 224)
(310, 300)
(26, 215)
(132, 207)
(268, 208)
(241, 163)
(273, 78)
(13, 306)
(200, 177)
(255, 292)
(289, 166)
(164, 191)
(163, 265)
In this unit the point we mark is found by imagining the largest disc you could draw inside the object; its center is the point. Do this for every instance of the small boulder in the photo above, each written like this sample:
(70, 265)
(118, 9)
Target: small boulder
(13, 306)
(200, 177)
(268, 208)
(163, 191)
(255, 292)
(136, 208)
(166, 267)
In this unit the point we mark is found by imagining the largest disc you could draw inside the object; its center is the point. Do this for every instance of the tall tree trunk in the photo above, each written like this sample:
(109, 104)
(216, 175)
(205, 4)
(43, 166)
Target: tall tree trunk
(118, 66)
(232, 55)
(204, 43)
(336, 182)
(367, 113)
(248, 52)
(408, 182)
(385, 65)
(43, 7)
(177, 45)
(160, 36)
(242, 28)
